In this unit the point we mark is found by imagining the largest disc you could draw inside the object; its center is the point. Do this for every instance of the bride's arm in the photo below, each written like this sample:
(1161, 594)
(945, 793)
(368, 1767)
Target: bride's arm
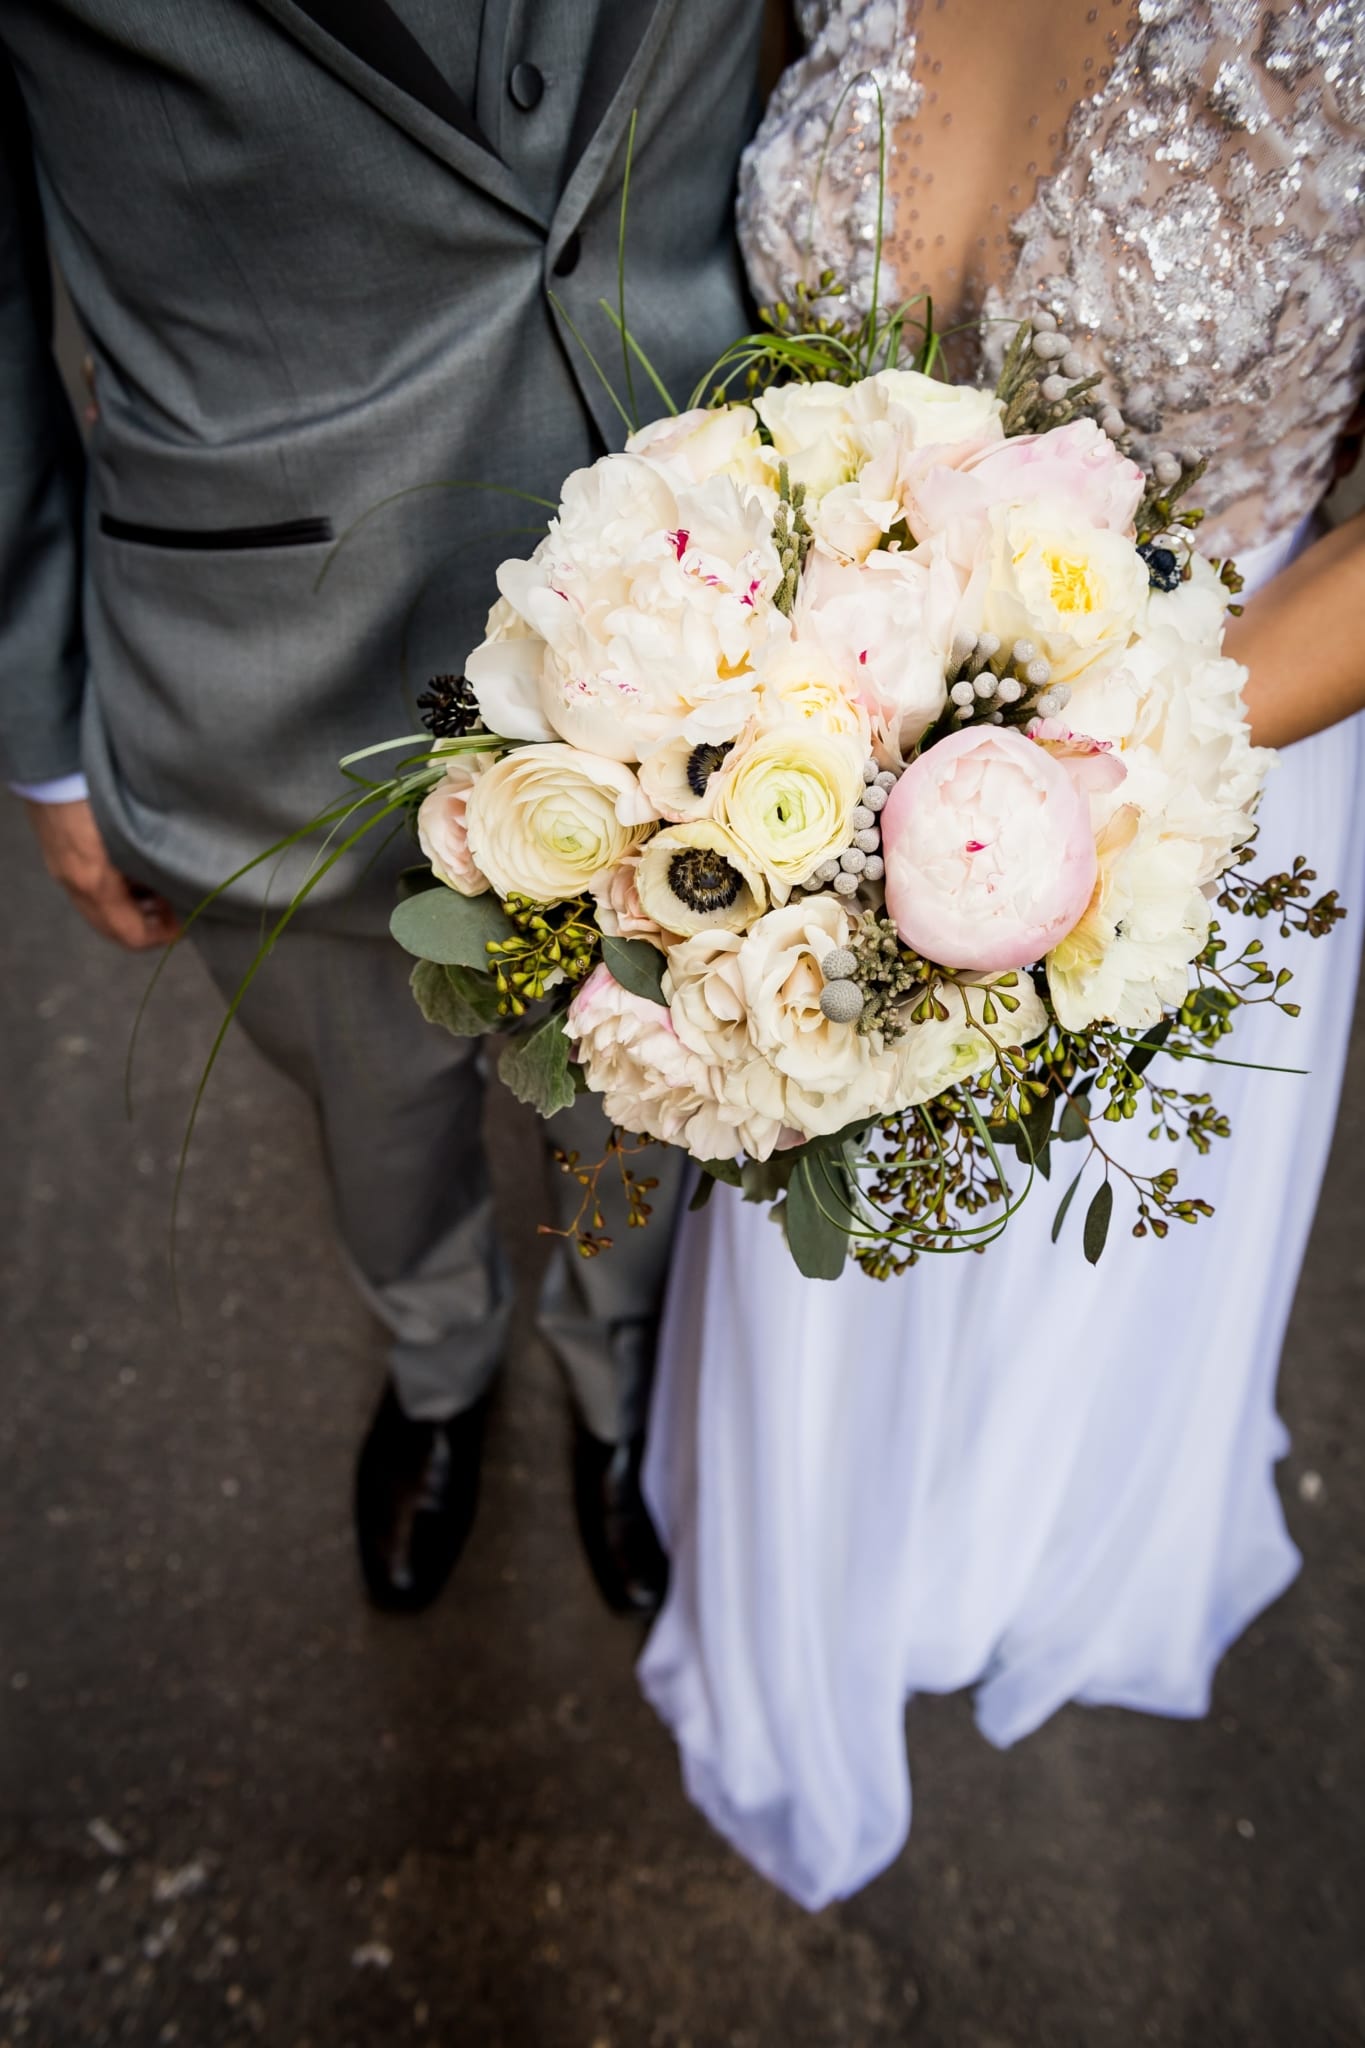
(1303, 641)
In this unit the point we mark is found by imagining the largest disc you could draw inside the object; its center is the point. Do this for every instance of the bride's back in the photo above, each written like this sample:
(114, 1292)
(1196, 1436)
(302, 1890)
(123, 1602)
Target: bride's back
(1182, 182)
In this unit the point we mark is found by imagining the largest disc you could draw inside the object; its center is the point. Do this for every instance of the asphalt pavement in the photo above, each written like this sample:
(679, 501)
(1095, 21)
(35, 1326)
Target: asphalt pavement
(237, 1807)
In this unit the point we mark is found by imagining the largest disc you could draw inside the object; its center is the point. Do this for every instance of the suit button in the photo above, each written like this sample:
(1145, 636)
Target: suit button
(526, 86)
(566, 262)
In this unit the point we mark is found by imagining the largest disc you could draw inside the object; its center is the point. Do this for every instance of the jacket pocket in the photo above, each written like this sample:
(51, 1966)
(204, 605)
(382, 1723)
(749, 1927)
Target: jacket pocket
(286, 533)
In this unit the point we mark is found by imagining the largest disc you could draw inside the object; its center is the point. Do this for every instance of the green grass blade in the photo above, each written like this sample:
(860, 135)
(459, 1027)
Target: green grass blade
(621, 272)
(603, 378)
(646, 365)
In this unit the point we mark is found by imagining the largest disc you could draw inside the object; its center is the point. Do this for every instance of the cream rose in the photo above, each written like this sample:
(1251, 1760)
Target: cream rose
(442, 825)
(654, 1084)
(620, 913)
(697, 877)
(544, 822)
(937, 1054)
(934, 414)
(711, 440)
(789, 800)
(833, 1073)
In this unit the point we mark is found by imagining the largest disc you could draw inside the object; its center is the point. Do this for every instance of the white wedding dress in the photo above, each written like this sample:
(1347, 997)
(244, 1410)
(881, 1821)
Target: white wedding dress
(1017, 1472)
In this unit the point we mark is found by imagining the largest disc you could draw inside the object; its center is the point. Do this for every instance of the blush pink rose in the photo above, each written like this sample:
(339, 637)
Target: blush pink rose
(1077, 462)
(990, 856)
(442, 825)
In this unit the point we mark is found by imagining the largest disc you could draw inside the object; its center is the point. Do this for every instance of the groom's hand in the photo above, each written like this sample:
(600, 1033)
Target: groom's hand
(75, 855)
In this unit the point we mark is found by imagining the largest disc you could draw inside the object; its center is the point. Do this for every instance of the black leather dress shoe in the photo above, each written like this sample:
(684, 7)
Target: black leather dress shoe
(630, 1568)
(416, 1488)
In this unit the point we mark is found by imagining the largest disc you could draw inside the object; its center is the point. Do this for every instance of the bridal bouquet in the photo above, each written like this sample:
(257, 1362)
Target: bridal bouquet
(843, 791)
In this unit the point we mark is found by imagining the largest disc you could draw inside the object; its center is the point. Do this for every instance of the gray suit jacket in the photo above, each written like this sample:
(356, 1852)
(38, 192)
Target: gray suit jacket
(314, 276)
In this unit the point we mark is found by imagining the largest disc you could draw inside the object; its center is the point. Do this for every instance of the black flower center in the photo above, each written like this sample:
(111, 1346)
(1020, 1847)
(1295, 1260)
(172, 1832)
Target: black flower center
(703, 879)
(702, 764)
(1163, 566)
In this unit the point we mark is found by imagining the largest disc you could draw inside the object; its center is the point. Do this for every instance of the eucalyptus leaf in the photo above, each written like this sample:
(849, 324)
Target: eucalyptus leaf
(638, 966)
(453, 930)
(535, 1066)
(1097, 1221)
(463, 1002)
(1074, 1123)
(817, 1240)
(728, 1170)
(763, 1180)
(1140, 1057)
(703, 1192)
(1060, 1218)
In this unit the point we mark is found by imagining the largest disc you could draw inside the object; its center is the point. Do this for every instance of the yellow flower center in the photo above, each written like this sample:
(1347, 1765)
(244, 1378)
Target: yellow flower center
(1071, 590)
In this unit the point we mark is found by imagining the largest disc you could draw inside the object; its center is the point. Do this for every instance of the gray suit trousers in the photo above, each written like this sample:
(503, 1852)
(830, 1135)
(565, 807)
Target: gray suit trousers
(400, 1110)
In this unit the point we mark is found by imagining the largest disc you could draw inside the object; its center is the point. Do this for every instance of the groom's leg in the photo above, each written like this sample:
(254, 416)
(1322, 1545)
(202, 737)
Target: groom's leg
(399, 1105)
(600, 1316)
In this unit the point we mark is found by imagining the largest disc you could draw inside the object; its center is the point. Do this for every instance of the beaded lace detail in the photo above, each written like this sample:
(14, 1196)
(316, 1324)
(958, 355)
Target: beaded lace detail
(1200, 230)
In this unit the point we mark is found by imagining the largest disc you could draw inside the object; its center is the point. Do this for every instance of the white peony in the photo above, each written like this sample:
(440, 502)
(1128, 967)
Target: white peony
(545, 822)
(805, 685)
(652, 600)
(1076, 590)
(888, 624)
(1127, 961)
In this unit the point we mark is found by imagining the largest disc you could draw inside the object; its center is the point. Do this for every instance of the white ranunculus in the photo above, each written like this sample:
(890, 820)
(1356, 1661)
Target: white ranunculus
(888, 624)
(1076, 590)
(545, 822)
(710, 440)
(654, 601)
(1127, 961)
(789, 800)
(934, 414)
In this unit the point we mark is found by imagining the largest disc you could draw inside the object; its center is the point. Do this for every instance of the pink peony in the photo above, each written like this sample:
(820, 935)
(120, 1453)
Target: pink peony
(990, 856)
(1077, 462)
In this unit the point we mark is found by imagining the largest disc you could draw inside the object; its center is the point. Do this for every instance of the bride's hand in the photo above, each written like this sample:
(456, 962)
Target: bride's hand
(1303, 641)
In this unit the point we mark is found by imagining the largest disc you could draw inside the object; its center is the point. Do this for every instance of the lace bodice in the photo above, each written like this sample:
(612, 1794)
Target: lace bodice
(1200, 226)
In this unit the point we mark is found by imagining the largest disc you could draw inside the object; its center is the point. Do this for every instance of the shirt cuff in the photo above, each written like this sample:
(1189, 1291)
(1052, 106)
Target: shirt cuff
(67, 789)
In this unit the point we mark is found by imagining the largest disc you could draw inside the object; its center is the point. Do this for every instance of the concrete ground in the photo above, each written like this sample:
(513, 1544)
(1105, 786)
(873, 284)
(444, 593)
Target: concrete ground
(236, 1807)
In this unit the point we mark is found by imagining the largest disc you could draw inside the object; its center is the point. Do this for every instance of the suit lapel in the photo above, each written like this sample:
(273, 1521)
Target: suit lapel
(366, 45)
(629, 36)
